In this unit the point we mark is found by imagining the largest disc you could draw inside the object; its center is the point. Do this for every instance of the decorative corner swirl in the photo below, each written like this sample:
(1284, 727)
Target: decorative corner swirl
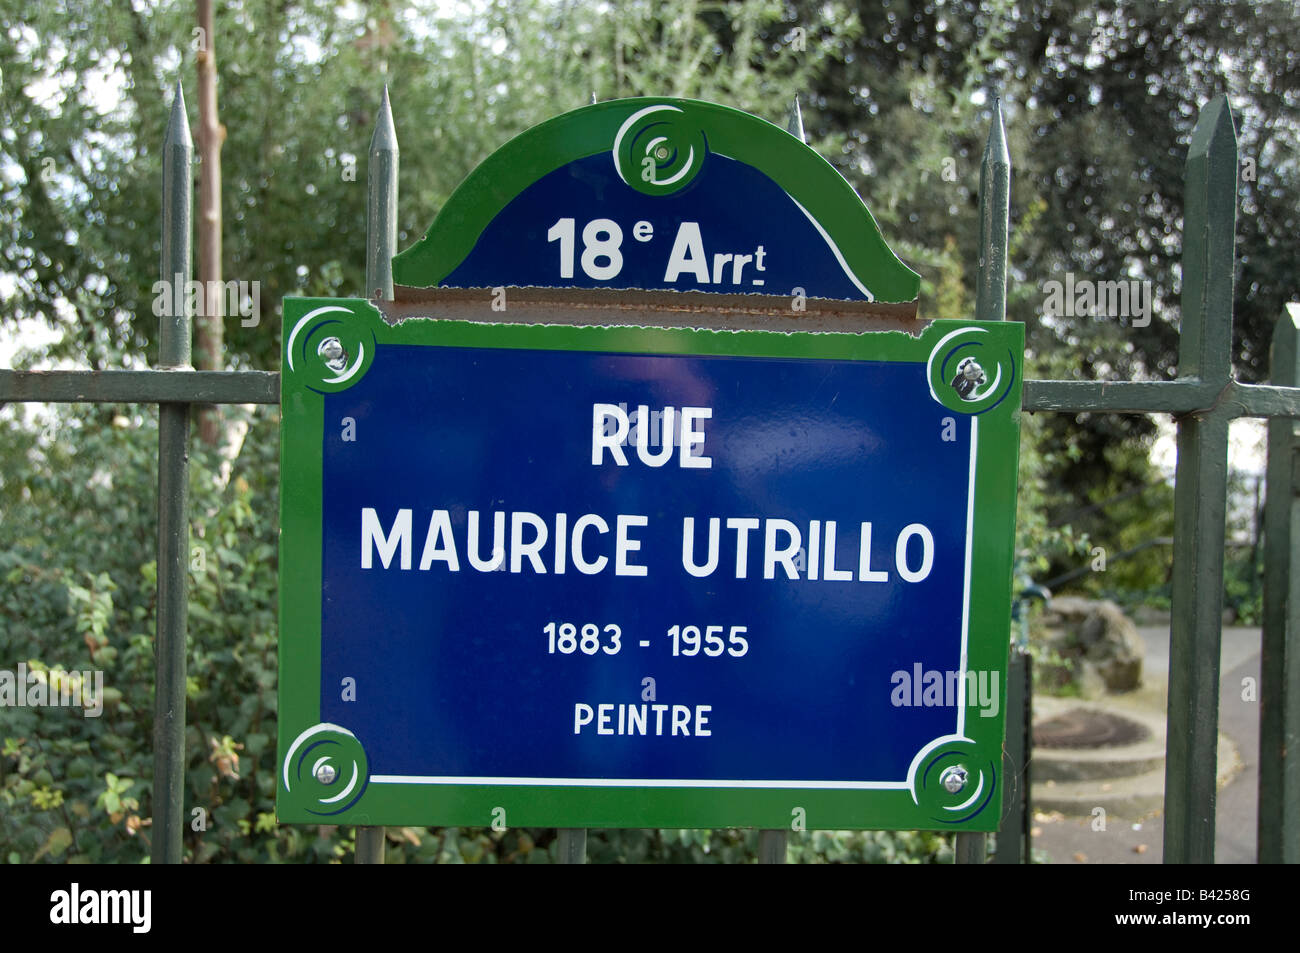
(658, 150)
(330, 353)
(325, 770)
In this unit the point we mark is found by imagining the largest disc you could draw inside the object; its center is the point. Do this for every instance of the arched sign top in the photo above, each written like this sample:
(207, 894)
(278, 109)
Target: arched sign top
(659, 194)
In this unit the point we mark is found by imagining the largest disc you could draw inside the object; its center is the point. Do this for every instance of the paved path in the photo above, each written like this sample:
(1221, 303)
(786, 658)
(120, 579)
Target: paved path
(1073, 840)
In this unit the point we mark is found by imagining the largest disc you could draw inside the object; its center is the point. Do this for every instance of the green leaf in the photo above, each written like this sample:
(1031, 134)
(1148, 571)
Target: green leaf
(60, 839)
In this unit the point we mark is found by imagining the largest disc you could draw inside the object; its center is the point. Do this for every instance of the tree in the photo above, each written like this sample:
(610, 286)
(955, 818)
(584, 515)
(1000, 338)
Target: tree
(1100, 106)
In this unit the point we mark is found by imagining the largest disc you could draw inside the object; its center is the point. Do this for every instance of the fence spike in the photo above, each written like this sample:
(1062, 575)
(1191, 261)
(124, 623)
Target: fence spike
(995, 213)
(794, 124)
(381, 204)
(177, 211)
(384, 138)
(178, 124)
(1210, 207)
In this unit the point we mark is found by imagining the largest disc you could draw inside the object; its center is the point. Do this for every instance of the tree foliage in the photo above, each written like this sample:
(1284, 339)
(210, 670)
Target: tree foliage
(1100, 102)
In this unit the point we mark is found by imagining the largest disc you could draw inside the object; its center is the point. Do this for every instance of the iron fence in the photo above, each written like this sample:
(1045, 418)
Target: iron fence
(1204, 399)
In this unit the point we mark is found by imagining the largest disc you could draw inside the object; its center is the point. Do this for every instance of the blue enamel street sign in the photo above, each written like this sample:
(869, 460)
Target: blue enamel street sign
(544, 575)
(631, 577)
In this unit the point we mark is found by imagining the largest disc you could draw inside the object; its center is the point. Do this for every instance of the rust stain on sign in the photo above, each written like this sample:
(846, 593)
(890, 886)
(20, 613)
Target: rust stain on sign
(664, 309)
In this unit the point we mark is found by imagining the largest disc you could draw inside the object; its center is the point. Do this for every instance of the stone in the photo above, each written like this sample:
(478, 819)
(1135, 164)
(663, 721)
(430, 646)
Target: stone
(1089, 680)
(1098, 641)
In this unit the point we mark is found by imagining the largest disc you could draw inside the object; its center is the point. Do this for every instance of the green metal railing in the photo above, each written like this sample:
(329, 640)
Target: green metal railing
(1204, 399)
(173, 500)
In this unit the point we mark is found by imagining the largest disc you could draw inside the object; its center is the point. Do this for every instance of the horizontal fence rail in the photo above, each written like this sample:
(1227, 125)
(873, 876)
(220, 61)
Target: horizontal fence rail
(141, 387)
(263, 387)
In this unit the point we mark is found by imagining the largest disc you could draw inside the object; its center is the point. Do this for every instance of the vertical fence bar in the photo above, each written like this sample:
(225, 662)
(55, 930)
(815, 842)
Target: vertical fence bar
(991, 305)
(970, 847)
(370, 845)
(1278, 840)
(772, 847)
(1200, 490)
(173, 496)
(571, 845)
(995, 217)
(381, 245)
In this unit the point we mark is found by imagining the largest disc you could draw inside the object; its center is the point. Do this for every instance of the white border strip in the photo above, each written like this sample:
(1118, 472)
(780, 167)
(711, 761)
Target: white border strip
(835, 249)
(639, 782)
(965, 596)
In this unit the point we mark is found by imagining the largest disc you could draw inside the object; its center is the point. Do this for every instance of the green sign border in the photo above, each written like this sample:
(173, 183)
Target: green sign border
(802, 173)
(305, 380)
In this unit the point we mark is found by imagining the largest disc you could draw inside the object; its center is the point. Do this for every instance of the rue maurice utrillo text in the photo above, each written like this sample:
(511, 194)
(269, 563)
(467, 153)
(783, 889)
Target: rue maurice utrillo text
(531, 542)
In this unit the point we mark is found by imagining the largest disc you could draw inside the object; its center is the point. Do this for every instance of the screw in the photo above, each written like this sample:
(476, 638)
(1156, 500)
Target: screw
(969, 377)
(953, 778)
(662, 152)
(326, 774)
(332, 353)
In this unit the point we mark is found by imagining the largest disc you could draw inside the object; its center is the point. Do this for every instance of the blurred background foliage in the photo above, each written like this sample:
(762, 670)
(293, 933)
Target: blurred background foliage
(1100, 100)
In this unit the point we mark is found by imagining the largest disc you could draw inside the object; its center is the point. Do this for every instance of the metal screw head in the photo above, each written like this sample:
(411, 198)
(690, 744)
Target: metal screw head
(969, 377)
(661, 152)
(954, 778)
(326, 774)
(332, 353)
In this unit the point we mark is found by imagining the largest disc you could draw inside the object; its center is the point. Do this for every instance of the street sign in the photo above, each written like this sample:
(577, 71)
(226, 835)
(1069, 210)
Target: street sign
(537, 575)
(659, 195)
